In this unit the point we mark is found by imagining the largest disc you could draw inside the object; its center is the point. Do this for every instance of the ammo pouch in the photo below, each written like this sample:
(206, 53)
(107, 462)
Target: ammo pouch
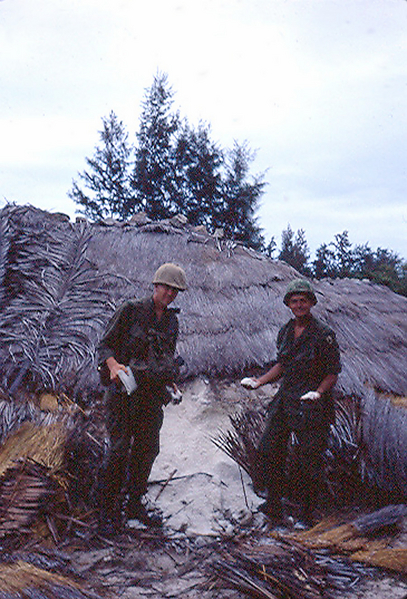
(160, 366)
(156, 370)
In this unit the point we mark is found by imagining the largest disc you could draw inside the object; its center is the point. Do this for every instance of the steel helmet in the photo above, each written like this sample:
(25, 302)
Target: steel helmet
(299, 286)
(171, 275)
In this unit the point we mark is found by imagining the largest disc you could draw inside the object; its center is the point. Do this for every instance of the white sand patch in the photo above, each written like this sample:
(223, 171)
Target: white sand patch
(207, 484)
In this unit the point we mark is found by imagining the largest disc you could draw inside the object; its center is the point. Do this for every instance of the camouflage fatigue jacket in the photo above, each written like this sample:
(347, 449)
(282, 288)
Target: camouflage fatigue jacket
(307, 360)
(136, 338)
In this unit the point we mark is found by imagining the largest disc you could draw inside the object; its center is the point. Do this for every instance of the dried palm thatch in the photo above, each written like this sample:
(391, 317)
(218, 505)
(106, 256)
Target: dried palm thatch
(31, 461)
(232, 310)
(22, 579)
(4, 250)
(349, 472)
(360, 538)
(54, 302)
(13, 415)
(61, 281)
(313, 564)
(43, 443)
(283, 569)
(394, 558)
(49, 468)
(24, 489)
(384, 437)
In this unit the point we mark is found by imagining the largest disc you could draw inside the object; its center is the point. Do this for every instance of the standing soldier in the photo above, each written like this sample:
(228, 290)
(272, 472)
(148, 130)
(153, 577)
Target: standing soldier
(308, 364)
(138, 349)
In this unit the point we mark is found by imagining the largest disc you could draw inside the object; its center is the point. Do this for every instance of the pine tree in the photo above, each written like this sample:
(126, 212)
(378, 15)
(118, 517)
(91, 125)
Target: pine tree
(241, 197)
(108, 176)
(198, 177)
(176, 169)
(324, 264)
(343, 254)
(363, 260)
(153, 178)
(294, 250)
(271, 247)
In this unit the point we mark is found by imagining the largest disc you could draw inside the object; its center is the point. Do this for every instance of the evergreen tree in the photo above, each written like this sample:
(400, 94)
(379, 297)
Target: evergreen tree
(270, 247)
(338, 259)
(154, 173)
(294, 250)
(324, 264)
(176, 169)
(108, 177)
(388, 269)
(241, 197)
(343, 254)
(198, 162)
(363, 260)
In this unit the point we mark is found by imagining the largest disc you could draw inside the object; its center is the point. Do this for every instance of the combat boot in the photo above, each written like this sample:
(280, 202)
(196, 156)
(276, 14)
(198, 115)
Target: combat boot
(136, 510)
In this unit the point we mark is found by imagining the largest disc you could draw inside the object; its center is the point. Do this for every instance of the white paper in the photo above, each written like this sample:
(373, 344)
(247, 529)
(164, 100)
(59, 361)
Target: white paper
(128, 380)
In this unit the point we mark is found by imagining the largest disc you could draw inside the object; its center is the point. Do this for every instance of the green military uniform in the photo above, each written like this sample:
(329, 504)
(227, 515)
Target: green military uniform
(306, 361)
(136, 338)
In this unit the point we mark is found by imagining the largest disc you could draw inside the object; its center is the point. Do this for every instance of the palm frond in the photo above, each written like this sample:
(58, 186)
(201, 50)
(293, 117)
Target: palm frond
(23, 579)
(349, 470)
(283, 568)
(4, 250)
(24, 488)
(51, 326)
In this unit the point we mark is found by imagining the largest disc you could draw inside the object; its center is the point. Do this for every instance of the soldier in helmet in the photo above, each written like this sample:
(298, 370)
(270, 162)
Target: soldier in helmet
(308, 364)
(137, 349)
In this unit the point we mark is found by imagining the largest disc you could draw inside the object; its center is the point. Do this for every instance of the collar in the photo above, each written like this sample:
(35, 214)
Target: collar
(151, 307)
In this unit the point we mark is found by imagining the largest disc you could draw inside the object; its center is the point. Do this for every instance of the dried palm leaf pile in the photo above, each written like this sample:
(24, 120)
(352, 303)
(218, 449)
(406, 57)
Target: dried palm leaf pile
(22, 579)
(48, 464)
(365, 538)
(288, 571)
(349, 473)
(317, 563)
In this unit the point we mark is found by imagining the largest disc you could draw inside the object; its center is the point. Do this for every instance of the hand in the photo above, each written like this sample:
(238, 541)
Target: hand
(176, 397)
(175, 393)
(114, 368)
(311, 396)
(250, 383)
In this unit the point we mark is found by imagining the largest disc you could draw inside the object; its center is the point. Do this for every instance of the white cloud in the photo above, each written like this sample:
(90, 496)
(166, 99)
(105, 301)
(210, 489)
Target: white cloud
(317, 87)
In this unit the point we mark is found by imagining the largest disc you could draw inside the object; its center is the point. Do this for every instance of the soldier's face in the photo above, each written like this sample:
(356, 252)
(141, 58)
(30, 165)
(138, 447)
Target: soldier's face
(164, 295)
(300, 305)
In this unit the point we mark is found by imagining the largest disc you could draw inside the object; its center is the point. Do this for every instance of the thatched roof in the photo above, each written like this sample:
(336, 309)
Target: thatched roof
(60, 282)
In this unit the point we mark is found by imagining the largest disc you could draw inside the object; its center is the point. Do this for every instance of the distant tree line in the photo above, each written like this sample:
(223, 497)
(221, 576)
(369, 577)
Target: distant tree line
(173, 168)
(339, 259)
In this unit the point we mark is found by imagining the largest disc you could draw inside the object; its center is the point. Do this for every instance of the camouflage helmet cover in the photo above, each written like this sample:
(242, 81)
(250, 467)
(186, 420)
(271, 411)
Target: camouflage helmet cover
(299, 286)
(171, 275)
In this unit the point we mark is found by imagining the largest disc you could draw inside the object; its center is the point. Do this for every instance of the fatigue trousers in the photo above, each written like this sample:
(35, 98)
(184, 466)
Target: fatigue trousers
(133, 424)
(273, 451)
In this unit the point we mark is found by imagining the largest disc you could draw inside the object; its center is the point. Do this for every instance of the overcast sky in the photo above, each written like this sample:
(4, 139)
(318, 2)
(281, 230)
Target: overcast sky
(317, 87)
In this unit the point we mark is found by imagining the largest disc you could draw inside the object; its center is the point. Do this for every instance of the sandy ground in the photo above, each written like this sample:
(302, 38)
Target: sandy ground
(204, 497)
(206, 483)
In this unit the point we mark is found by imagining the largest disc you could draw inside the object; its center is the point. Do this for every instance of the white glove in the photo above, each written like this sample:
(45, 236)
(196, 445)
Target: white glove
(176, 397)
(311, 396)
(175, 393)
(249, 383)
